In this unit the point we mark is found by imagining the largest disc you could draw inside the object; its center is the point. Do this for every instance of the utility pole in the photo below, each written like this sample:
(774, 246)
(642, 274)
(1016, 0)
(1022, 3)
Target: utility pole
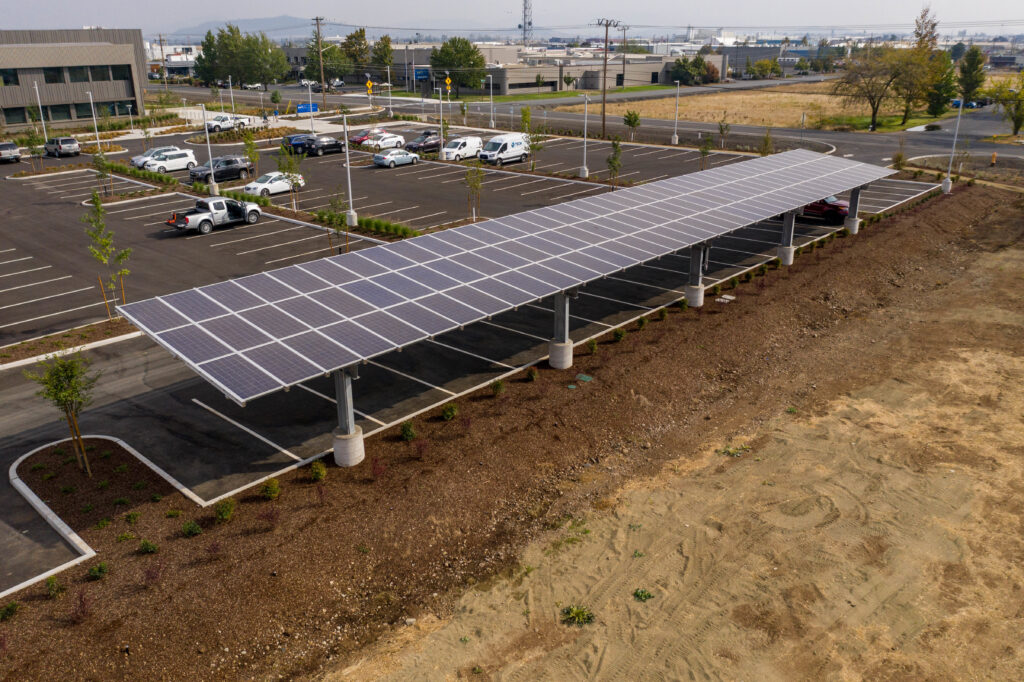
(320, 54)
(624, 29)
(607, 23)
(527, 25)
(163, 63)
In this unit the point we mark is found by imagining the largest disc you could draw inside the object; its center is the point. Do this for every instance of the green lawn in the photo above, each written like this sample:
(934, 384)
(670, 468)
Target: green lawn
(886, 124)
(525, 97)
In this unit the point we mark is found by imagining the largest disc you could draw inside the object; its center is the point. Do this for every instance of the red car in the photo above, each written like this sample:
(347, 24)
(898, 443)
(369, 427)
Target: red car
(829, 209)
(362, 136)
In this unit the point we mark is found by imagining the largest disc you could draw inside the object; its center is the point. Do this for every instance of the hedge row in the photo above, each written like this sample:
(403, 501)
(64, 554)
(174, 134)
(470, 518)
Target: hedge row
(242, 196)
(126, 169)
(371, 225)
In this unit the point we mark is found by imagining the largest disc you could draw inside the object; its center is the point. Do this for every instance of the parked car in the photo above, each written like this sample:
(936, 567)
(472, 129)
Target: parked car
(502, 149)
(62, 146)
(317, 145)
(179, 159)
(829, 209)
(225, 122)
(390, 158)
(429, 141)
(461, 148)
(385, 141)
(140, 160)
(362, 136)
(289, 140)
(318, 87)
(224, 168)
(305, 81)
(10, 152)
(252, 86)
(273, 183)
(215, 212)
(337, 83)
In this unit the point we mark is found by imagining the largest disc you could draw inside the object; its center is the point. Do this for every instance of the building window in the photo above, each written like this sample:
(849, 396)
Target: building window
(15, 115)
(121, 72)
(100, 73)
(654, 77)
(83, 110)
(122, 107)
(618, 80)
(9, 76)
(60, 112)
(78, 74)
(53, 74)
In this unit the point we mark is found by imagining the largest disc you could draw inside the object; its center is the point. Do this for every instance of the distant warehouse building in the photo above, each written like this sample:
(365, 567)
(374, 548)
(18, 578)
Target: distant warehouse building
(67, 65)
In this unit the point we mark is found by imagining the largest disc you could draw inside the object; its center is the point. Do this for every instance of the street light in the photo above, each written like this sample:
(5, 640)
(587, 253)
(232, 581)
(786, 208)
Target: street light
(130, 123)
(42, 119)
(351, 220)
(491, 79)
(92, 108)
(675, 129)
(369, 91)
(440, 110)
(584, 171)
(947, 183)
(209, 153)
(309, 87)
(231, 92)
(391, 112)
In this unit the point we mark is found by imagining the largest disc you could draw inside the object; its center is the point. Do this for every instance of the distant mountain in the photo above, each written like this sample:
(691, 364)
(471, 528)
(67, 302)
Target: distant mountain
(276, 28)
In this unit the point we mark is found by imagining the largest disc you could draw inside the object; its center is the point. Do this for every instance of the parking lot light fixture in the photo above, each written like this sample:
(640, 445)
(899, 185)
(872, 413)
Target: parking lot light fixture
(95, 127)
(584, 171)
(131, 124)
(309, 88)
(675, 128)
(440, 111)
(947, 183)
(39, 104)
(391, 111)
(209, 154)
(351, 220)
(490, 78)
(221, 94)
(231, 93)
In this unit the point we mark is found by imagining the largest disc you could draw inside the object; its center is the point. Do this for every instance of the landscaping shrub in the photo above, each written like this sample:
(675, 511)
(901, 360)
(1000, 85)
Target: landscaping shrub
(407, 432)
(147, 547)
(641, 594)
(497, 387)
(224, 510)
(102, 523)
(449, 412)
(271, 489)
(641, 324)
(99, 571)
(125, 536)
(662, 314)
(592, 346)
(156, 497)
(54, 588)
(717, 289)
(532, 374)
(683, 304)
(619, 334)
(121, 502)
(242, 196)
(577, 615)
(9, 610)
(173, 513)
(190, 529)
(131, 517)
(318, 471)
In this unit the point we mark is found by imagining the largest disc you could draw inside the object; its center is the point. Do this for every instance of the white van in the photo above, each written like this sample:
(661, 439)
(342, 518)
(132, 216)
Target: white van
(179, 159)
(505, 148)
(461, 148)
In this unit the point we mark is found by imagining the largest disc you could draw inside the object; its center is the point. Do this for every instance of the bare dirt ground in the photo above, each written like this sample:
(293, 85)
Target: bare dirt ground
(871, 531)
(929, 559)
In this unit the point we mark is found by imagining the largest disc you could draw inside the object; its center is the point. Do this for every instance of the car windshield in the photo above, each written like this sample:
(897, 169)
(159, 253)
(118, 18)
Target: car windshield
(454, 144)
(8, 145)
(159, 157)
(264, 178)
(831, 200)
(492, 146)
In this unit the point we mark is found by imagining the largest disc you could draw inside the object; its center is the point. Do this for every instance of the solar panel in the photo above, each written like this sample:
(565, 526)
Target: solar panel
(257, 334)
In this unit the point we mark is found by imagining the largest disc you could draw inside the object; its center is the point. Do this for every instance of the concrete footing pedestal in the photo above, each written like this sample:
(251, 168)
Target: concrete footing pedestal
(852, 224)
(348, 448)
(786, 254)
(694, 295)
(559, 355)
(674, 141)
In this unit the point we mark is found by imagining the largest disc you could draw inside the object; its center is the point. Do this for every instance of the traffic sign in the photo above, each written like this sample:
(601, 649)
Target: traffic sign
(447, 80)
(369, 84)
(448, 88)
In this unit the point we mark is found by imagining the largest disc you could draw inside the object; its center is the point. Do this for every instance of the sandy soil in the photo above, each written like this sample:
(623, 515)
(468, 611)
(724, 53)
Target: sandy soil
(871, 533)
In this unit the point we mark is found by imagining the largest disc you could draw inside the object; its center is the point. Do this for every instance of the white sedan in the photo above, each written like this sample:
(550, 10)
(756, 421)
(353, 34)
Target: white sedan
(273, 183)
(386, 141)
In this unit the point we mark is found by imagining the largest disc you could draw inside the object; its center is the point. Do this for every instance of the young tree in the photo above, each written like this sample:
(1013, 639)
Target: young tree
(569, 81)
(288, 163)
(36, 151)
(104, 251)
(868, 79)
(356, 49)
(475, 185)
(525, 118)
(99, 164)
(462, 59)
(615, 161)
(941, 83)
(1009, 98)
(802, 66)
(275, 97)
(66, 382)
(538, 80)
(911, 83)
(251, 152)
(705, 151)
(972, 73)
(382, 55)
(632, 121)
(956, 52)
(723, 129)
(536, 146)
(767, 144)
(926, 34)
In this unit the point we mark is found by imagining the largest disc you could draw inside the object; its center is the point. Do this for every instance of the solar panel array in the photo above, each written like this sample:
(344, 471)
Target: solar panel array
(254, 335)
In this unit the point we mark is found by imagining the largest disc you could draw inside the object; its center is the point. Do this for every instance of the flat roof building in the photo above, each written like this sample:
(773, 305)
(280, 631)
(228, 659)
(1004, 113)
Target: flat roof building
(66, 66)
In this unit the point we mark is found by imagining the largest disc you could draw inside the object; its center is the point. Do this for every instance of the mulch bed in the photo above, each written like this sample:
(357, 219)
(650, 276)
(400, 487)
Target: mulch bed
(291, 586)
(71, 338)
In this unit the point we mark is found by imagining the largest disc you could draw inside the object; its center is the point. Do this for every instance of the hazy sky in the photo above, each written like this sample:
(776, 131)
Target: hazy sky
(435, 16)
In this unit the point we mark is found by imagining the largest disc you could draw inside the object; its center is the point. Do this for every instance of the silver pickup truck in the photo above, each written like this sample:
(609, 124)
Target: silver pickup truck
(215, 212)
(225, 122)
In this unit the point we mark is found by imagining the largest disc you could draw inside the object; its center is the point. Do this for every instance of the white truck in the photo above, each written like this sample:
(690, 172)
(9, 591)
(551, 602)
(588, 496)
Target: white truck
(226, 122)
(502, 149)
(215, 212)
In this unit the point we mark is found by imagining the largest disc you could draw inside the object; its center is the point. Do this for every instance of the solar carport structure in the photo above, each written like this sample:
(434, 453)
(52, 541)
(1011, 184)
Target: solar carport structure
(266, 332)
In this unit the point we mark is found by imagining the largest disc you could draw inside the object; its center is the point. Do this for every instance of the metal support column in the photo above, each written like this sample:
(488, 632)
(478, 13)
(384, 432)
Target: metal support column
(560, 346)
(348, 437)
(852, 222)
(786, 249)
(698, 264)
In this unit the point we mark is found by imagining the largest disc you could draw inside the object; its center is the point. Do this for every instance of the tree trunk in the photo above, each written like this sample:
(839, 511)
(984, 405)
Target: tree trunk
(906, 112)
(79, 454)
(874, 113)
(81, 444)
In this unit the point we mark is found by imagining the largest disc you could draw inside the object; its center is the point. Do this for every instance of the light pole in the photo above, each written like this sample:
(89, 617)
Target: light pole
(351, 220)
(221, 94)
(947, 183)
(369, 91)
(309, 87)
(231, 93)
(584, 171)
(511, 125)
(391, 112)
(261, 101)
(130, 123)
(92, 108)
(440, 112)
(183, 112)
(42, 119)
(491, 79)
(675, 128)
(209, 154)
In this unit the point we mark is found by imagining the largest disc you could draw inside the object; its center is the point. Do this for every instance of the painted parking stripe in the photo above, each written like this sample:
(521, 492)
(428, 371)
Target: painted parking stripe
(521, 184)
(25, 272)
(397, 210)
(34, 284)
(511, 175)
(15, 260)
(542, 189)
(7, 250)
(615, 300)
(585, 319)
(59, 312)
(147, 206)
(566, 196)
(489, 323)
(246, 429)
(44, 298)
(185, 207)
(277, 246)
(409, 376)
(653, 151)
(424, 217)
(472, 355)
(333, 400)
(256, 236)
(233, 230)
(300, 255)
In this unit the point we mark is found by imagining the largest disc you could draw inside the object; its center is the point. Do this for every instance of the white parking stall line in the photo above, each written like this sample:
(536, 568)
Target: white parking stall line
(458, 179)
(550, 165)
(514, 331)
(332, 400)
(59, 312)
(256, 236)
(648, 153)
(521, 184)
(25, 272)
(420, 171)
(233, 229)
(34, 284)
(448, 171)
(299, 255)
(615, 300)
(409, 377)
(89, 193)
(63, 186)
(591, 189)
(382, 203)
(397, 210)
(585, 319)
(252, 433)
(7, 250)
(657, 177)
(144, 207)
(277, 246)
(163, 212)
(424, 217)
(472, 355)
(44, 298)
(503, 176)
(542, 189)
(15, 260)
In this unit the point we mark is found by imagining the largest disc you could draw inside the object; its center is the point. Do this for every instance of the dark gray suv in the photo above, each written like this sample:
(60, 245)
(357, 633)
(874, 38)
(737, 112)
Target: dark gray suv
(224, 168)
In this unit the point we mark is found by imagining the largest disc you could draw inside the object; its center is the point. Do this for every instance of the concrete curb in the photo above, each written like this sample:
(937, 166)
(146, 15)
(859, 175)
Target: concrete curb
(68, 351)
(49, 175)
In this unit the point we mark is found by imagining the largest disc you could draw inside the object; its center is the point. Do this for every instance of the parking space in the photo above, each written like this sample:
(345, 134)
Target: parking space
(885, 195)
